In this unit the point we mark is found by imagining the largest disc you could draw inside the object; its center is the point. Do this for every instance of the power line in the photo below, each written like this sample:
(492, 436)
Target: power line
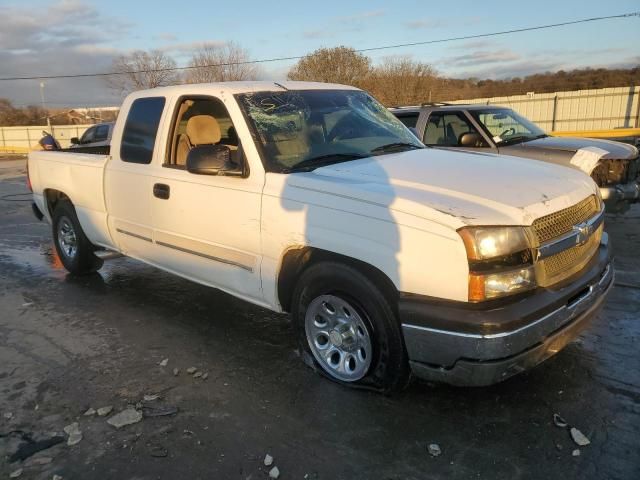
(298, 57)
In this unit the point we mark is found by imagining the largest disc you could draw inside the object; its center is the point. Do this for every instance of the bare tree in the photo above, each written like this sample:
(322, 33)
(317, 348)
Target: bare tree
(402, 81)
(141, 69)
(221, 63)
(334, 65)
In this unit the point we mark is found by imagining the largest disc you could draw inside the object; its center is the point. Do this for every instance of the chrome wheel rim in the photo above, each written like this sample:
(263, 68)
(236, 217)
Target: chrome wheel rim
(67, 239)
(338, 338)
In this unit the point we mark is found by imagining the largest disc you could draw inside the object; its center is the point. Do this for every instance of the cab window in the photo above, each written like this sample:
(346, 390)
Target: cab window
(140, 130)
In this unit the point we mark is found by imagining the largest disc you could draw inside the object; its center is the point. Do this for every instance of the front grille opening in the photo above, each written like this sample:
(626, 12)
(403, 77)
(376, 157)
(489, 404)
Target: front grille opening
(562, 265)
(559, 223)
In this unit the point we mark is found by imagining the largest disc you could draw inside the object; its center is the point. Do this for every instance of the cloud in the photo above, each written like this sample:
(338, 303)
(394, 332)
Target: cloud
(441, 22)
(482, 57)
(359, 17)
(428, 23)
(342, 24)
(184, 50)
(68, 36)
(166, 37)
(472, 45)
(313, 34)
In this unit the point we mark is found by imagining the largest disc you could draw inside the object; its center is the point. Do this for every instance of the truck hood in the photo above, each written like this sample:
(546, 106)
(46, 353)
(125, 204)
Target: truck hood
(451, 188)
(617, 150)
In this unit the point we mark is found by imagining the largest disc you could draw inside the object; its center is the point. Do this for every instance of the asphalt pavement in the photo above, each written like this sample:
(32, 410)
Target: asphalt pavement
(70, 344)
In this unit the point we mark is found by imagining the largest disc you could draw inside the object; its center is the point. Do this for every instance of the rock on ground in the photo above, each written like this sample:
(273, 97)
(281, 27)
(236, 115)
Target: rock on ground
(579, 437)
(434, 449)
(268, 460)
(125, 417)
(75, 435)
(274, 473)
(104, 411)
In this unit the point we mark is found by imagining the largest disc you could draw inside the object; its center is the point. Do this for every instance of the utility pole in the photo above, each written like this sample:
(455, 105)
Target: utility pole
(44, 107)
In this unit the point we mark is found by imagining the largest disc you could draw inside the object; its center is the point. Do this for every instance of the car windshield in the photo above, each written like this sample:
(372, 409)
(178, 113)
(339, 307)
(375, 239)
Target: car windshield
(506, 126)
(305, 129)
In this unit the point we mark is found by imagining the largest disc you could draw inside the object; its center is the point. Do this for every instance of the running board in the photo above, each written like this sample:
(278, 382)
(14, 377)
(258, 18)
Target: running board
(107, 254)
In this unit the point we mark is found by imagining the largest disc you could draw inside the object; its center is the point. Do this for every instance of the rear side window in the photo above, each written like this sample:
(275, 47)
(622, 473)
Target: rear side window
(409, 119)
(141, 129)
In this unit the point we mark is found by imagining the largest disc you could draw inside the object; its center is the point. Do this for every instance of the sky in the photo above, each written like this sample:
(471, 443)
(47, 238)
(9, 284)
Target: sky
(82, 36)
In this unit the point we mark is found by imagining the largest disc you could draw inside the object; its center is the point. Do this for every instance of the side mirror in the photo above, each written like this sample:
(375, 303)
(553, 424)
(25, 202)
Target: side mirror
(211, 160)
(470, 139)
(74, 140)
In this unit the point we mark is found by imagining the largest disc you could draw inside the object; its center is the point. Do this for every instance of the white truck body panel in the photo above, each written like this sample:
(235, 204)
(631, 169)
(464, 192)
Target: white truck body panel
(396, 212)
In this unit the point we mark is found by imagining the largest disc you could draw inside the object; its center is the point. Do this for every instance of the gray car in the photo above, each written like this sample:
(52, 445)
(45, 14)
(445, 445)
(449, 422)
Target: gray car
(495, 129)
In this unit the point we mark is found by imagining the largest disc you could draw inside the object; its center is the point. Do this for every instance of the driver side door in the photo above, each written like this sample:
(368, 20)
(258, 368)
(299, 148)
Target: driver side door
(207, 227)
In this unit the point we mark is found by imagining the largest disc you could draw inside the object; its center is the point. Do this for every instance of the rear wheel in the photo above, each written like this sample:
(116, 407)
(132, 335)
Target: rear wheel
(75, 250)
(347, 327)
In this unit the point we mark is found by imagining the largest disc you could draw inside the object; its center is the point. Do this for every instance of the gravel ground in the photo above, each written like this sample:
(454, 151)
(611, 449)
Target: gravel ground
(70, 344)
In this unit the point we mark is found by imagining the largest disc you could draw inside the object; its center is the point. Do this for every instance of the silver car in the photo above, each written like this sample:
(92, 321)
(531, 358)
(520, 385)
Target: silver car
(496, 129)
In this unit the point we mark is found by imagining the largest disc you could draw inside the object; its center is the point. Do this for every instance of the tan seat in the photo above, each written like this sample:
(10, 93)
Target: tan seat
(201, 130)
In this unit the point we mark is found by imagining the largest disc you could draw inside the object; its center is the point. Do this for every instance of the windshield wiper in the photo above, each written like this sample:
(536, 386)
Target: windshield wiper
(394, 147)
(516, 139)
(309, 164)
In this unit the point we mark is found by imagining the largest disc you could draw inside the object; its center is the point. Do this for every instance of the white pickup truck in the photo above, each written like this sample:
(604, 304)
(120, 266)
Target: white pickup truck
(311, 198)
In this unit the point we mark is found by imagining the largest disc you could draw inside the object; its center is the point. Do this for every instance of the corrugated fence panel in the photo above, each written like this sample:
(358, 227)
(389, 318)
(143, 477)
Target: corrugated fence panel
(604, 108)
(28, 137)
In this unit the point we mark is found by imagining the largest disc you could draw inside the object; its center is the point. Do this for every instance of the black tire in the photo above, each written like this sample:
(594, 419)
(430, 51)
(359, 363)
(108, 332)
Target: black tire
(389, 368)
(81, 260)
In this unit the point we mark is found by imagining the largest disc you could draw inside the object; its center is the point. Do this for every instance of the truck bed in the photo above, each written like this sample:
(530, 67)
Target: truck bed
(79, 176)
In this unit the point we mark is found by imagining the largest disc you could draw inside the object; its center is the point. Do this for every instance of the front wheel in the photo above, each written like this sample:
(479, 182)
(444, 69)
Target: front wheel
(75, 250)
(348, 328)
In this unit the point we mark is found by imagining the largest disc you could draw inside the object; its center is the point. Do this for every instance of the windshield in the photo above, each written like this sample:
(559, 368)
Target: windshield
(506, 126)
(311, 128)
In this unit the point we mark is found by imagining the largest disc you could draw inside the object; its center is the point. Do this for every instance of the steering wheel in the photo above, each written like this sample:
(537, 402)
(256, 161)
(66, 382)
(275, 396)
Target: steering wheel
(339, 132)
(508, 132)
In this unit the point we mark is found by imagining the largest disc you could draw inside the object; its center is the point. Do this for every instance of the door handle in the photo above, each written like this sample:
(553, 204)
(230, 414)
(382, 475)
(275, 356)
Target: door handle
(162, 191)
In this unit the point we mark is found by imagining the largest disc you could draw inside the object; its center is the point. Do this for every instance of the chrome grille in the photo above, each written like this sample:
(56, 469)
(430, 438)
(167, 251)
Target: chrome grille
(559, 223)
(562, 265)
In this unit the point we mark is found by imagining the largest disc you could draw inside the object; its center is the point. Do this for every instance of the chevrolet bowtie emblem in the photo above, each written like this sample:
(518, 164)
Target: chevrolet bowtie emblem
(583, 232)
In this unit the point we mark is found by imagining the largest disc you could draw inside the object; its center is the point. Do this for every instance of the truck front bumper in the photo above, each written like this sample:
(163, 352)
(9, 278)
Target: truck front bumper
(472, 345)
(618, 198)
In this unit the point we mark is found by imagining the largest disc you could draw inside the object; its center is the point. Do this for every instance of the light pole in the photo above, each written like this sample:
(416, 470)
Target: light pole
(44, 107)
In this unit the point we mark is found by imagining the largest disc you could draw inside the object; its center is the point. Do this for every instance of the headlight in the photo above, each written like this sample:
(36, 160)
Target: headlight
(483, 243)
(500, 261)
(494, 285)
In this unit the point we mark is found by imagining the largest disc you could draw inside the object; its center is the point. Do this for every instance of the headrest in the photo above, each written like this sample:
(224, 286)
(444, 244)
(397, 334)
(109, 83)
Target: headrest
(203, 130)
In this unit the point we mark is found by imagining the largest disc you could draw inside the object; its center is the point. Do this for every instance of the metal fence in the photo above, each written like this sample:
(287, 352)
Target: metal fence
(27, 137)
(604, 108)
(582, 110)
